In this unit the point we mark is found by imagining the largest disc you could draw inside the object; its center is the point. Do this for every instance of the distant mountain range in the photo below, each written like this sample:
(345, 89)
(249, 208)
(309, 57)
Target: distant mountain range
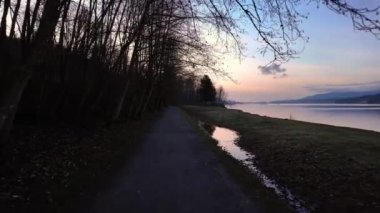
(364, 97)
(368, 99)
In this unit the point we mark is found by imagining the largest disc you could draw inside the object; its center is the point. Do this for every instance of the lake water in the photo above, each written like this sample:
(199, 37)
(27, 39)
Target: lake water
(361, 116)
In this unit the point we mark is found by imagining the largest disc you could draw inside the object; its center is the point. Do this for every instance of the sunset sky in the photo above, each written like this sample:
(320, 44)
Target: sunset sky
(335, 58)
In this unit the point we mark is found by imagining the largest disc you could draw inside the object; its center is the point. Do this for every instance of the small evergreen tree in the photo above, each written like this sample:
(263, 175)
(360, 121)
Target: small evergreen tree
(221, 95)
(207, 91)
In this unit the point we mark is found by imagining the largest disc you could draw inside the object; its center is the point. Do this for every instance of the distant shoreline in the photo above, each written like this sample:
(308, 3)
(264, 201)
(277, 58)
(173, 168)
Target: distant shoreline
(360, 116)
(322, 104)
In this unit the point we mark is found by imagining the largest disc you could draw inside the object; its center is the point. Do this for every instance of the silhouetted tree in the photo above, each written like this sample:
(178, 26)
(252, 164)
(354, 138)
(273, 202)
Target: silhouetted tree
(221, 95)
(206, 90)
(15, 77)
(115, 59)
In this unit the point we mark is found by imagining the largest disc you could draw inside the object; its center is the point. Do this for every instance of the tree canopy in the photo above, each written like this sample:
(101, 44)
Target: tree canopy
(206, 90)
(114, 59)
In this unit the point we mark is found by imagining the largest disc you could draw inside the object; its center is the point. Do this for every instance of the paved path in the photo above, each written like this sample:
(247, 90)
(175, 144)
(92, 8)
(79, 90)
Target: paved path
(173, 171)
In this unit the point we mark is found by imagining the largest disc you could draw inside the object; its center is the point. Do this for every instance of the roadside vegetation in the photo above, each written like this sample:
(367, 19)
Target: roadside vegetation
(334, 169)
(58, 166)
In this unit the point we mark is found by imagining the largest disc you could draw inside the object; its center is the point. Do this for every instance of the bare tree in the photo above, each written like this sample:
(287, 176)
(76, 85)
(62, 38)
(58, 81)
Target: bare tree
(113, 59)
(221, 95)
(14, 80)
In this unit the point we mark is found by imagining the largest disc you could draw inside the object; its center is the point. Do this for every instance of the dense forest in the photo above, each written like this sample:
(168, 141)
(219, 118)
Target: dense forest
(85, 60)
(109, 60)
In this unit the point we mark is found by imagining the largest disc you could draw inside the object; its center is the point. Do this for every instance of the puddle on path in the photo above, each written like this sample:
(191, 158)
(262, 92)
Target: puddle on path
(227, 140)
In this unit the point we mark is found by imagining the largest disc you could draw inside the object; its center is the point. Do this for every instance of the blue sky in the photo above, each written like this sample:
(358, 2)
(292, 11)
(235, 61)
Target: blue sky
(336, 58)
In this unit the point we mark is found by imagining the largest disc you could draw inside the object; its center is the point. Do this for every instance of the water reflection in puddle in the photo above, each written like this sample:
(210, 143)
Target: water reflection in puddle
(227, 141)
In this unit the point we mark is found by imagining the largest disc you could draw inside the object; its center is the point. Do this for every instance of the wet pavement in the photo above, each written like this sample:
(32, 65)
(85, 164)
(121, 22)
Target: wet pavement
(173, 170)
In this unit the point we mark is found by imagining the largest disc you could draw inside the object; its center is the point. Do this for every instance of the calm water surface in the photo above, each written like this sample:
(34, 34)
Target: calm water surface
(227, 140)
(361, 116)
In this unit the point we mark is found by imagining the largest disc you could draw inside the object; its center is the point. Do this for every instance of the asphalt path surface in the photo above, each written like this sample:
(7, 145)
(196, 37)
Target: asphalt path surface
(173, 170)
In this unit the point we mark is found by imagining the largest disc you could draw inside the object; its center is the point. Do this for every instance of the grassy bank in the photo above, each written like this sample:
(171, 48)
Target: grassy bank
(267, 200)
(55, 166)
(336, 168)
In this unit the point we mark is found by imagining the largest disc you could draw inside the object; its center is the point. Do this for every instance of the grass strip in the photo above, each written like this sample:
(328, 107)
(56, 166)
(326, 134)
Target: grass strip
(252, 186)
(337, 169)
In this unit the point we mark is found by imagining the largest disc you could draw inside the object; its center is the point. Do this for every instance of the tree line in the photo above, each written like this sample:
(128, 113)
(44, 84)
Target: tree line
(109, 60)
(83, 59)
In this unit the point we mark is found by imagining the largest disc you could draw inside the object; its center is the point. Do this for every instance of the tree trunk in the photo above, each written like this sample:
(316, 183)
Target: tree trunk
(120, 101)
(140, 103)
(3, 27)
(119, 106)
(145, 104)
(25, 24)
(14, 81)
(34, 19)
(14, 19)
(10, 94)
